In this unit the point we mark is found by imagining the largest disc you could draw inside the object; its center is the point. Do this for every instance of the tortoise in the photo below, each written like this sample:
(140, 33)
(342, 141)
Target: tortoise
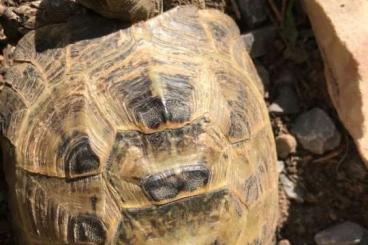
(21, 16)
(144, 9)
(155, 133)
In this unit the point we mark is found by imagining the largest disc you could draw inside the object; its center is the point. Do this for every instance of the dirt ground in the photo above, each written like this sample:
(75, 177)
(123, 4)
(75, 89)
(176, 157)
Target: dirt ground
(333, 186)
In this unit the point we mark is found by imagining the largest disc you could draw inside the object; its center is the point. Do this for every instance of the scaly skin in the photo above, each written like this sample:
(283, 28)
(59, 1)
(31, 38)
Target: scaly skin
(136, 10)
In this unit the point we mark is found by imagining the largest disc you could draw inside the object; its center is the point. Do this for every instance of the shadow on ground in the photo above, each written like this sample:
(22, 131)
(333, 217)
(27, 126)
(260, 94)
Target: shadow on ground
(334, 191)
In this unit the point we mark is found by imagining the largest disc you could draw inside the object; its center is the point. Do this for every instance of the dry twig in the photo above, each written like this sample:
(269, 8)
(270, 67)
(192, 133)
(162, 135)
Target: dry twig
(275, 10)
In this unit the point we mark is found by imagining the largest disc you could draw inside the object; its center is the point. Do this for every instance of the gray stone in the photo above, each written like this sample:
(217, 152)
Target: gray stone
(293, 192)
(257, 41)
(252, 12)
(275, 108)
(286, 77)
(284, 242)
(316, 131)
(285, 145)
(286, 102)
(347, 233)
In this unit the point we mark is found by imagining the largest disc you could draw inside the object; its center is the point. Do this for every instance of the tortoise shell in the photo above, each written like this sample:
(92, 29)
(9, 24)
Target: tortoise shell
(135, 10)
(153, 134)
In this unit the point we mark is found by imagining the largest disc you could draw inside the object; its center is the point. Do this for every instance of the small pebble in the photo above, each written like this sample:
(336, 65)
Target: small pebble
(284, 242)
(275, 108)
(285, 145)
(347, 233)
(290, 189)
(316, 131)
(280, 166)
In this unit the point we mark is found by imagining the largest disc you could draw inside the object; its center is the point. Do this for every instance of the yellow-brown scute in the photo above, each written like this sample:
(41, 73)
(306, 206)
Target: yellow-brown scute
(203, 219)
(167, 165)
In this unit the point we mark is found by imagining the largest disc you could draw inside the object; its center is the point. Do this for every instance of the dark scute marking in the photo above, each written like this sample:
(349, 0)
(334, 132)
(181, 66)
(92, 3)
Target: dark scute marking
(129, 138)
(170, 183)
(163, 187)
(256, 242)
(196, 211)
(192, 131)
(10, 104)
(254, 185)
(86, 228)
(158, 141)
(82, 159)
(79, 158)
(195, 177)
(146, 108)
(242, 109)
(4, 124)
(94, 200)
(123, 141)
(251, 188)
(218, 31)
(217, 242)
(177, 97)
(239, 128)
(151, 113)
(31, 209)
(174, 105)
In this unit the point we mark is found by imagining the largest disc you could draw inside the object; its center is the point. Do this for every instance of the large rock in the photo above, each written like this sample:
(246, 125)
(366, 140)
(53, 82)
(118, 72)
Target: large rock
(257, 42)
(342, 33)
(316, 131)
(253, 12)
(347, 233)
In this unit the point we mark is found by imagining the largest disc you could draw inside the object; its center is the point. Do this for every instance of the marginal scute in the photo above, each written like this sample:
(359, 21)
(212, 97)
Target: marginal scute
(47, 206)
(26, 80)
(12, 110)
(216, 209)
